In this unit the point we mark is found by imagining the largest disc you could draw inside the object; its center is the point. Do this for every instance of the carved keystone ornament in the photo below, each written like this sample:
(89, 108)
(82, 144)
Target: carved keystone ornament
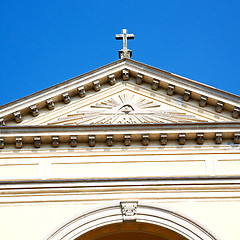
(129, 210)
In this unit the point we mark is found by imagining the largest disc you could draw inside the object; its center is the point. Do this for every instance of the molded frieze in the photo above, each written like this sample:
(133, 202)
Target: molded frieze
(145, 139)
(219, 106)
(34, 110)
(187, 95)
(81, 91)
(236, 138)
(181, 138)
(96, 85)
(37, 142)
(155, 84)
(170, 90)
(127, 140)
(73, 141)
(199, 138)
(50, 104)
(19, 142)
(236, 112)
(66, 98)
(111, 79)
(139, 79)
(2, 122)
(163, 138)
(109, 140)
(203, 101)
(1, 142)
(91, 141)
(218, 138)
(125, 74)
(17, 116)
(55, 141)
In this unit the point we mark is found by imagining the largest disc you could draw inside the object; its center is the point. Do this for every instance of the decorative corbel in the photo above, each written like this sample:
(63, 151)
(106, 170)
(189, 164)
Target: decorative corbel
(129, 210)
(37, 142)
(163, 138)
(170, 90)
(111, 79)
(127, 140)
(2, 122)
(109, 140)
(236, 112)
(145, 139)
(181, 138)
(219, 106)
(17, 116)
(34, 110)
(218, 138)
(81, 91)
(96, 85)
(66, 98)
(73, 141)
(155, 84)
(55, 141)
(50, 104)
(125, 74)
(139, 79)
(1, 142)
(91, 140)
(199, 138)
(203, 101)
(186, 95)
(19, 142)
(236, 138)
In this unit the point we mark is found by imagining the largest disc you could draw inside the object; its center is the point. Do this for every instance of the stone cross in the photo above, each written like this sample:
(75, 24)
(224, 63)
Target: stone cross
(124, 53)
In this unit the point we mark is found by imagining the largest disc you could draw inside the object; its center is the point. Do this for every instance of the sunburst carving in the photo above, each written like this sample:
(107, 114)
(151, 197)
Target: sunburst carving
(126, 108)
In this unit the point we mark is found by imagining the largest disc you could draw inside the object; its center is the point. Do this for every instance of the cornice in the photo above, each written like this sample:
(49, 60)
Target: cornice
(127, 181)
(81, 190)
(187, 82)
(118, 128)
(62, 83)
(125, 133)
(108, 75)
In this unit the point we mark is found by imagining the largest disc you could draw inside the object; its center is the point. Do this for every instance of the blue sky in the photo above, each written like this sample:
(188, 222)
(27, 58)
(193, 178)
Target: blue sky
(45, 42)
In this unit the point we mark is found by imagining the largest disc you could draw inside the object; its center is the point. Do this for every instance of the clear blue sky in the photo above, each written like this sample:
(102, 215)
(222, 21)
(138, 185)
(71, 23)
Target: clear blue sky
(44, 42)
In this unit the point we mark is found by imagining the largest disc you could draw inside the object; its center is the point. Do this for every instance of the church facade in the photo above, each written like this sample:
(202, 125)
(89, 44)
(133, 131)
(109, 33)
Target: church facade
(126, 151)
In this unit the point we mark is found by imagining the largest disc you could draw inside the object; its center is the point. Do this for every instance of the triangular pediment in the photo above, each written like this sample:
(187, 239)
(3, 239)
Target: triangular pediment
(125, 104)
(123, 92)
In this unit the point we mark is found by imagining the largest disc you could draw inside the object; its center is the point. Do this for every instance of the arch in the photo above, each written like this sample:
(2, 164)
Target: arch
(130, 231)
(140, 212)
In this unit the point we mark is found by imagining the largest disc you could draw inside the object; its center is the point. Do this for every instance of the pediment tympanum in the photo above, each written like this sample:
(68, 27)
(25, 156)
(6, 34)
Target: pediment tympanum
(125, 104)
(155, 96)
(126, 107)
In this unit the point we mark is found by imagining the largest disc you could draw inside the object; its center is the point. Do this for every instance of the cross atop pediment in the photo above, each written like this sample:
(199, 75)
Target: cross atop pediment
(125, 52)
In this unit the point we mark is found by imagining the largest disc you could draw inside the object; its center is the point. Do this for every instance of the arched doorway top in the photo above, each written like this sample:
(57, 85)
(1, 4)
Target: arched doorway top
(131, 211)
(130, 231)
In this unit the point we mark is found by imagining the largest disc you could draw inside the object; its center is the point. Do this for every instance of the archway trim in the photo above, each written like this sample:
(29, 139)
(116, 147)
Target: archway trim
(131, 211)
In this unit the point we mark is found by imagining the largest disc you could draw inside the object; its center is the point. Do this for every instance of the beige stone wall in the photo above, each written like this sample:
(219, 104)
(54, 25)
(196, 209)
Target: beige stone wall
(32, 211)
(118, 162)
(35, 221)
